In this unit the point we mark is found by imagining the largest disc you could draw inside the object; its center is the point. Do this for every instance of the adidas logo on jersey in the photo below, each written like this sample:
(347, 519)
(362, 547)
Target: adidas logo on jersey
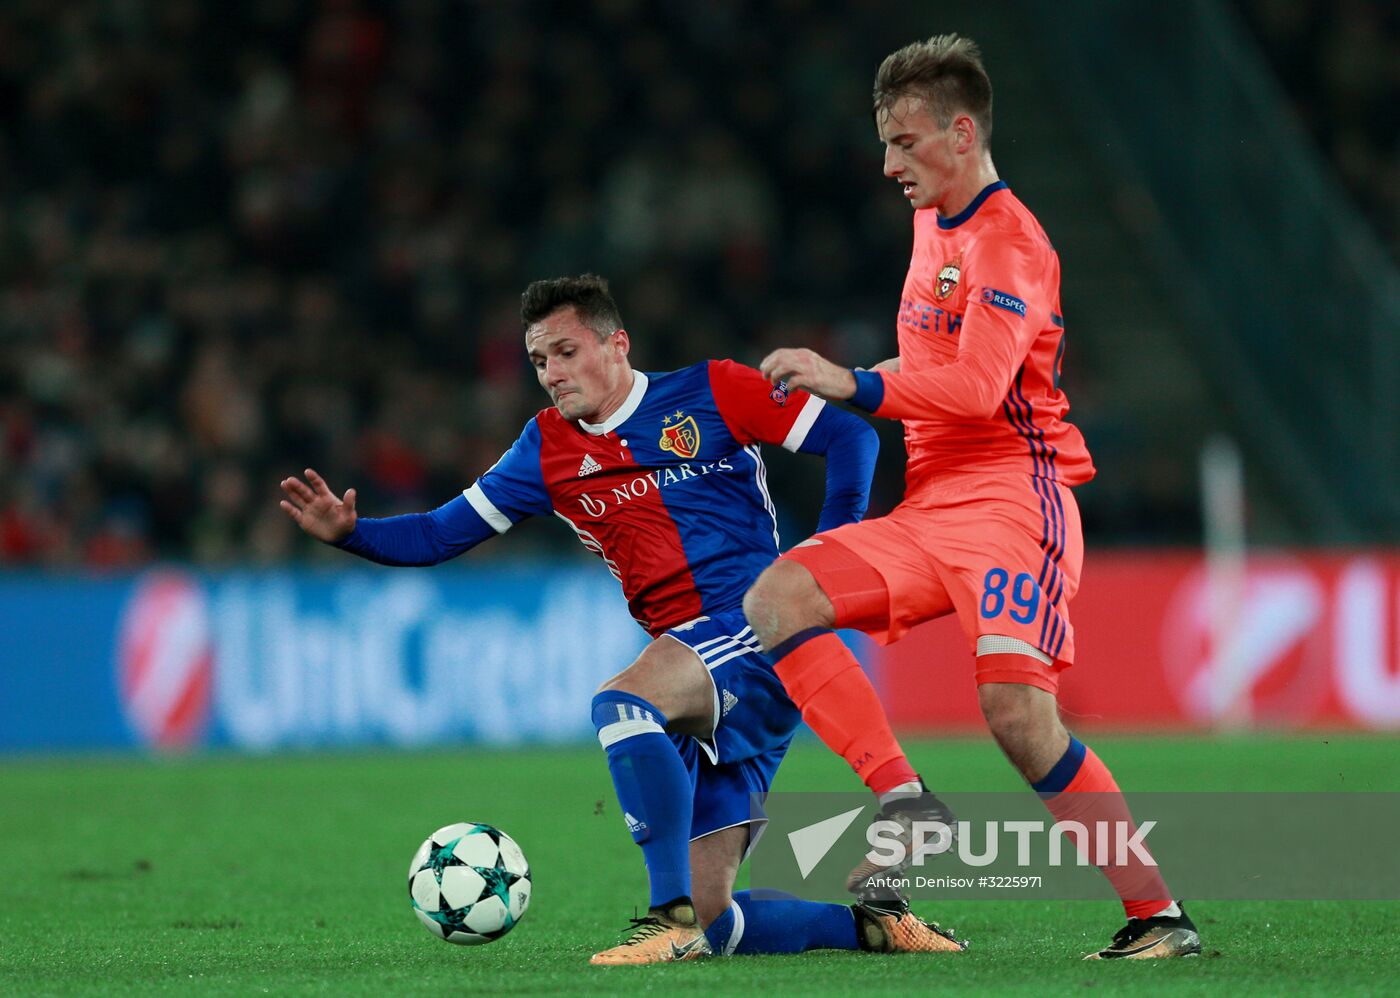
(727, 703)
(633, 825)
(589, 466)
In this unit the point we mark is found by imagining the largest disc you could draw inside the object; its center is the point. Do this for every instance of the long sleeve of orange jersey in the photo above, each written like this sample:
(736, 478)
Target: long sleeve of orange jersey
(1007, 307)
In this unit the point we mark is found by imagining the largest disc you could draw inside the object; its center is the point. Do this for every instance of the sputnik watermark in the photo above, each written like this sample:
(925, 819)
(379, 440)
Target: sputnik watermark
(896, 846)
(1244, 846)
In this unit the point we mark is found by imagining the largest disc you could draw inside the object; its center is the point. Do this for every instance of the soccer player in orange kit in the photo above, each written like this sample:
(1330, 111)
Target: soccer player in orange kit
(988, 528)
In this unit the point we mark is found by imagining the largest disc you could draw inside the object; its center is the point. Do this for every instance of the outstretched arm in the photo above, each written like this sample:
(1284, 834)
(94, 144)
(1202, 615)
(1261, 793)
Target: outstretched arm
(511, 490)
(419, 538)
(412, 539)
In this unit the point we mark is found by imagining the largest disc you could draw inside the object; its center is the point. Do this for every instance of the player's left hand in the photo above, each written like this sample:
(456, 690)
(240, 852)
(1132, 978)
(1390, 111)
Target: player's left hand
(810, 371)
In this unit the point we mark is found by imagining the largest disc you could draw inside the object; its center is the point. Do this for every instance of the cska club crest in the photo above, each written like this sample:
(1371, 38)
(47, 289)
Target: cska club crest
(680, 435)
(948, 278)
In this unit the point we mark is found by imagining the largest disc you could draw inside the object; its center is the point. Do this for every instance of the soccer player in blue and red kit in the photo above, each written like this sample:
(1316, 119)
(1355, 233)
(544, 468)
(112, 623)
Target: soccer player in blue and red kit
(660, 476)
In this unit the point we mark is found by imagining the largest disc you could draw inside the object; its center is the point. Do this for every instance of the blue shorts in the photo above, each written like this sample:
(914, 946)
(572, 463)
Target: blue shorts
(754, 722)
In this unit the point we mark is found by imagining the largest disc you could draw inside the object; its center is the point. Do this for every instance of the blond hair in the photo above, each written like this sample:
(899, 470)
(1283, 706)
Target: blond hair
(946, 73)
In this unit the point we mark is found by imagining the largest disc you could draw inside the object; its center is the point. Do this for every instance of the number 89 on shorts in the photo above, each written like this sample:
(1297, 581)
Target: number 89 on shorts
(999, 589)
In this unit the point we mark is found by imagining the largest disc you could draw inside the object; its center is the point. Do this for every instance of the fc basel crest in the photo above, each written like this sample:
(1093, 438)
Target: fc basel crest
(948, 278)
(680, 435)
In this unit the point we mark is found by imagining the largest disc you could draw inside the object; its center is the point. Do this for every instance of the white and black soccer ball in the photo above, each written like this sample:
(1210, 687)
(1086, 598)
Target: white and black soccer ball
(469, 883)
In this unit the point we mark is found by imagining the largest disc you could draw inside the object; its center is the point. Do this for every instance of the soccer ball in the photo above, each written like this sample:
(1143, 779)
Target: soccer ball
(469, 883)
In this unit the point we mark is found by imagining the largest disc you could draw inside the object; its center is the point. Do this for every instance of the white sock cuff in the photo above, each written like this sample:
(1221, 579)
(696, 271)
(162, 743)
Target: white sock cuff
(611, 734)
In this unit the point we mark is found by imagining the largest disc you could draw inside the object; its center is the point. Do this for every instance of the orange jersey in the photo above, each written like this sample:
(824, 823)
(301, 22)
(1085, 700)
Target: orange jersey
(980, 345)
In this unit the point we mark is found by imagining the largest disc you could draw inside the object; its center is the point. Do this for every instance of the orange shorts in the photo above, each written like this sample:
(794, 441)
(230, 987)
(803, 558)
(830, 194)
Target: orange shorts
(1003, 552)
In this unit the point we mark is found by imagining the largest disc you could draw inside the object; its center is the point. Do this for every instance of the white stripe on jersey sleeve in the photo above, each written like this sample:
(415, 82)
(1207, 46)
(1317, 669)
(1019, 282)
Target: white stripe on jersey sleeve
(805, 419)
(486, 509)
(760, 477)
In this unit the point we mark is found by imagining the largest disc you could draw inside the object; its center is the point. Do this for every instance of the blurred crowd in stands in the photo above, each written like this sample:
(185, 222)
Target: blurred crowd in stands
(1339, 63)
(240, 239)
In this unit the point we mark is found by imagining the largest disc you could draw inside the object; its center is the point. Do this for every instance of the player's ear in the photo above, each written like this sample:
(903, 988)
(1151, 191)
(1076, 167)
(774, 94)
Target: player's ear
(965, 133)
(622, 342)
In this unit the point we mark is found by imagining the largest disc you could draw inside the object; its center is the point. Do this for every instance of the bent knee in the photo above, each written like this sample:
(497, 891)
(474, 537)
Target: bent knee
(765, 589)
(756, 604)
(616, 683)
(632, 684)
(784, 600)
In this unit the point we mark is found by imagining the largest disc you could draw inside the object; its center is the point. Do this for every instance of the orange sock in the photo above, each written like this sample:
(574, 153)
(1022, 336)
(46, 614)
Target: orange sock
(1080, 788)
(839, 704)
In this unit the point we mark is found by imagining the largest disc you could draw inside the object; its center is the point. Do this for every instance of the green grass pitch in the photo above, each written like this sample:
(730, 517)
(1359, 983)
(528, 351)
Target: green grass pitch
(287, 874)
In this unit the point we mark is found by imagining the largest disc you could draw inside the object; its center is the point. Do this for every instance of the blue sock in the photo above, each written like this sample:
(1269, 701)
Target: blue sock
(773, 922)
(1063, 772)
(653, 787)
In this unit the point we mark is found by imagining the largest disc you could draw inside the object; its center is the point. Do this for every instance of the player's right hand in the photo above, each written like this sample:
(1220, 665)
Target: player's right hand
(314, 507)
(810, 371)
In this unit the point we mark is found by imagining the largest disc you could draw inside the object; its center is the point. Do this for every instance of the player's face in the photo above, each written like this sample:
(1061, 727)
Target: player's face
(919, 155)
(587, 378)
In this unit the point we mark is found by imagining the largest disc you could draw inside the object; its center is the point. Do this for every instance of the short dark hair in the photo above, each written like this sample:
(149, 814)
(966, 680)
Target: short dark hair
(946, 72)
(586, 294)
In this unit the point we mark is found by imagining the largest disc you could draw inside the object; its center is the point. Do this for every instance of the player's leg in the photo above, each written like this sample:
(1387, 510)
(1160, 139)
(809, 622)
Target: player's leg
(657, 805)
(674, 681)
(657, 783)
(746, 923)
(767, 922)
(728, 818)
(833, 580)
(743, 923)
(1013, 583)
(735, 760)
(665, 690)
(714, 862)
(740, 687)
(755, 922)
(793, 608)
(757, 719)
(674, 932)
(1076, 786)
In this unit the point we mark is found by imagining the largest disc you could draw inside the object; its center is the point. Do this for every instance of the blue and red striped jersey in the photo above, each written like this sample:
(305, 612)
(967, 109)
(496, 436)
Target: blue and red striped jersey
(671, 491)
